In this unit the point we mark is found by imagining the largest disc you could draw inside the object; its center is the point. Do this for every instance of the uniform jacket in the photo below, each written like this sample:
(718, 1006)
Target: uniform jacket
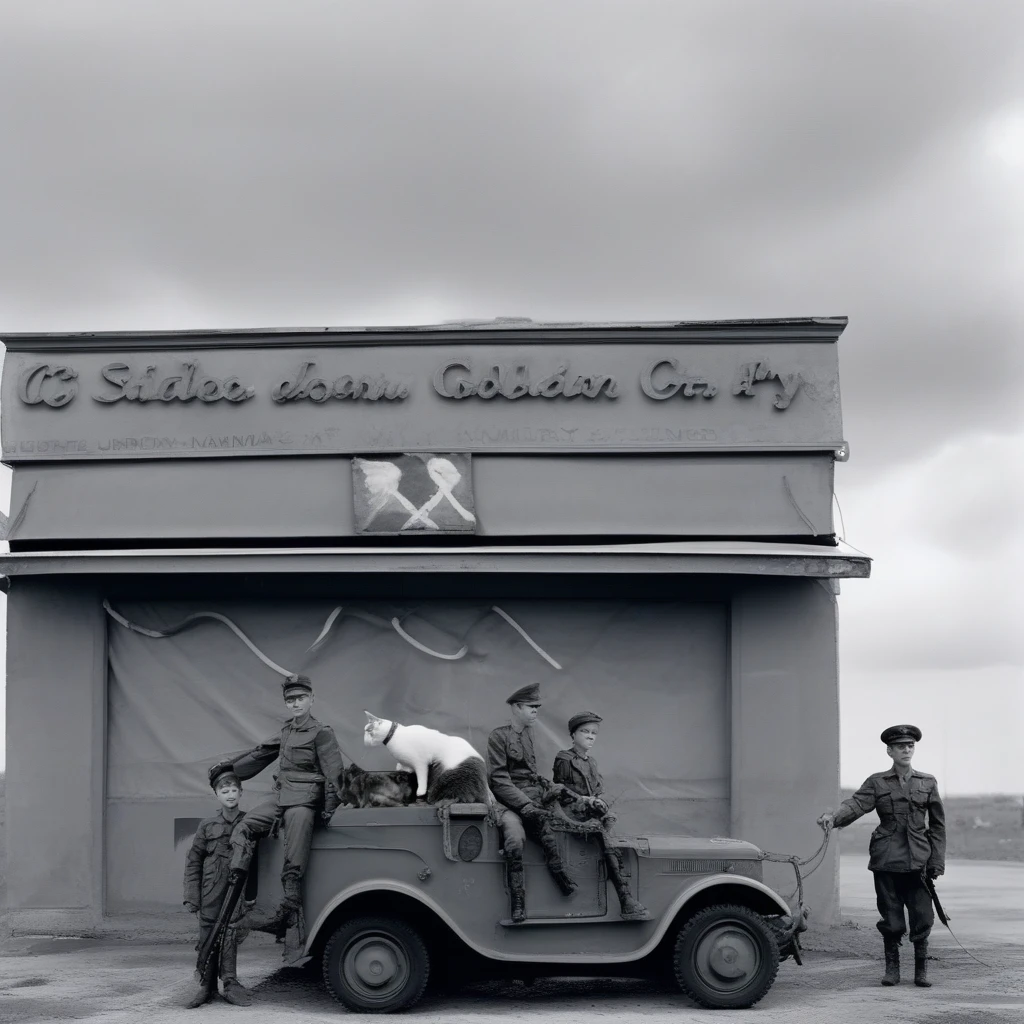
(511, 766)
(903, 841)
(311, 765)
(206, 865)
(580, 774)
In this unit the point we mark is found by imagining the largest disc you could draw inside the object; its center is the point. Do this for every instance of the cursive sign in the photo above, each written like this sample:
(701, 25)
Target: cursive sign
(317, 389)
(515, 381)
(179, 387)
(53, 385)
(663, 379)
(760, 370)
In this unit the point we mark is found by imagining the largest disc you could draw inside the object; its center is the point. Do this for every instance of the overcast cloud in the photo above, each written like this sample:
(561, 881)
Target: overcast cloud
(254, 163)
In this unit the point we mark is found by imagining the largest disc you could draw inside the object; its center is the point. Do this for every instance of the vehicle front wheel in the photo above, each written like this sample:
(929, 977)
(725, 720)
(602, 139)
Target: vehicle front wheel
(376, 965)
(725, 957)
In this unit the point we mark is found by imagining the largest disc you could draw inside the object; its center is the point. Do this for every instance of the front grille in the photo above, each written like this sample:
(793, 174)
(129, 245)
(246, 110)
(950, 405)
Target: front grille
(693, 866)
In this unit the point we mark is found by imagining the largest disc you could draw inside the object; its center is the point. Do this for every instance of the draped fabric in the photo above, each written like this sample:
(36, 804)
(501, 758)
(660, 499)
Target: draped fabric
(655, 672)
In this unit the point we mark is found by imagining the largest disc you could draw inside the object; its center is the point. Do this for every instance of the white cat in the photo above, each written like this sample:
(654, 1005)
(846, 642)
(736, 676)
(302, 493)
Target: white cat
(459, 774)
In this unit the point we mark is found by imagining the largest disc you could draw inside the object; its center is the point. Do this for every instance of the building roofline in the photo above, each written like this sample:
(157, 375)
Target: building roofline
(499, 330)
(739, 557)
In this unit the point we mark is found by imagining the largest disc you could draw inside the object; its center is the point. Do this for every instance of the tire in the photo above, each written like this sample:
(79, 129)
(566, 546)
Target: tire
(725, 957)
(376, 965)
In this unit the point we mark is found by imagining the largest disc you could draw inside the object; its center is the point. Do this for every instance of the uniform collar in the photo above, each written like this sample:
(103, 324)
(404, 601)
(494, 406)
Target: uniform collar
(224, 813)
(309, 722)
(893, 774)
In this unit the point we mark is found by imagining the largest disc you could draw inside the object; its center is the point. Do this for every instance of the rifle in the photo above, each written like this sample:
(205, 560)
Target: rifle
(208, 961)
(929, 884)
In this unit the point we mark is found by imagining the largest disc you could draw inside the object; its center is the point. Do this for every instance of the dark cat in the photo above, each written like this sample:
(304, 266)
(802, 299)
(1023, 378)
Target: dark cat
(377, 789)
(466, 783)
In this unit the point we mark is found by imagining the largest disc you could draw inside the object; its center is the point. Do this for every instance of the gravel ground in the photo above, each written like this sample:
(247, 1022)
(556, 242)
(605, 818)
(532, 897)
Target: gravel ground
(106, 981)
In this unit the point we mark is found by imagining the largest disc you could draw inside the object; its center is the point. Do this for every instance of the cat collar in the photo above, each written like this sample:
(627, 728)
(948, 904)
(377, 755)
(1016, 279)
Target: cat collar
(391, 732)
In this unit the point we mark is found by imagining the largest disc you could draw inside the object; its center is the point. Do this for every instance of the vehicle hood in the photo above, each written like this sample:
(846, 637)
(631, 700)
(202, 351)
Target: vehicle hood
(699, 849)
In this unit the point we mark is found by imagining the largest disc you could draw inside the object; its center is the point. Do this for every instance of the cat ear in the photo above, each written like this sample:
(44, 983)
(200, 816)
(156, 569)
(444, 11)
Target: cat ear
(372, 718)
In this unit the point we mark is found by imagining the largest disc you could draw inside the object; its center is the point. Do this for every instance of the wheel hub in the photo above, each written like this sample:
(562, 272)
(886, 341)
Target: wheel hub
(375, 964)
(727, 957)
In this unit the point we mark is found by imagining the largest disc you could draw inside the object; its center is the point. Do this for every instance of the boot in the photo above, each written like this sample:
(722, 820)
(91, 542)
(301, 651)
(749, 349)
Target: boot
(564, 881)
(921, 964)
(232, 989)
(630, 909)
(203, 994)
(892, 962)
(275, 923)
(517, 891)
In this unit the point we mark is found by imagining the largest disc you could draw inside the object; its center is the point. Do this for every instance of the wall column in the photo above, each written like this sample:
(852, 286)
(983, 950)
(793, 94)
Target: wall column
(56, 715)
(785, 728)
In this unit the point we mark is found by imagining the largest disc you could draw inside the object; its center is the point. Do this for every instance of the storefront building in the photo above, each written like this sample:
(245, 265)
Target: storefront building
(636, 516)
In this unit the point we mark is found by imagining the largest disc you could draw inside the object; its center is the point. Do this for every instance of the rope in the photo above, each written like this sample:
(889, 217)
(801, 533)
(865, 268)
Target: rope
(190, 621)
(790, 858)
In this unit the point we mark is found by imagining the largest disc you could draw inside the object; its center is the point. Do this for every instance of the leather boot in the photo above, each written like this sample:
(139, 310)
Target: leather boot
(275, 923)
(921, 964)
(517, 890)
(892, 962)
(203, 994)
(630, 909)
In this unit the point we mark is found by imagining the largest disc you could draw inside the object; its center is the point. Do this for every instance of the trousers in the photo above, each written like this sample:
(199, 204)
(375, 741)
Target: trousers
(297, 826)
(228, 949)
(514, 832)
(895, 890)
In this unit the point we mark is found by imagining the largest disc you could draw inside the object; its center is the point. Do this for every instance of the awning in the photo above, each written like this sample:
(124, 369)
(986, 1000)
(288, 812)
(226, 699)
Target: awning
(719, 557)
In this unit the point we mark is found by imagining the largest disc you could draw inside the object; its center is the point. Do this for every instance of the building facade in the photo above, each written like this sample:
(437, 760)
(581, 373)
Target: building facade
(636, 516)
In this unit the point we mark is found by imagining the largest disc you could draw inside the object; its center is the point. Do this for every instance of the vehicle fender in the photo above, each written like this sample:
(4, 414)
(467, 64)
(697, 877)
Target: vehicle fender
(380, 885)
(711, 881)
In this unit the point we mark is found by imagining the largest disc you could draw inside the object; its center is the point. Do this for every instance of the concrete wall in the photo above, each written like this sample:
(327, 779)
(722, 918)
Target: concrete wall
(56, 710)
(785, 727)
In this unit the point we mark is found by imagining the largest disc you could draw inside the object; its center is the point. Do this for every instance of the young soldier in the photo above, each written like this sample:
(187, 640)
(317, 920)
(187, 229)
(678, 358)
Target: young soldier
(206, 882)
(512, 776)
(577, 770)
(902, 851)
(308, 782)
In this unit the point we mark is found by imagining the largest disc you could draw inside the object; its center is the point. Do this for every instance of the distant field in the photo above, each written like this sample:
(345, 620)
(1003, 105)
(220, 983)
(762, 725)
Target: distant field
(977, 828)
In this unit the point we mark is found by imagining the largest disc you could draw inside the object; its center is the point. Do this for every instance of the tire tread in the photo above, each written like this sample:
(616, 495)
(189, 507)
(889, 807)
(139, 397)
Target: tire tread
(700, 919)
(406, 932)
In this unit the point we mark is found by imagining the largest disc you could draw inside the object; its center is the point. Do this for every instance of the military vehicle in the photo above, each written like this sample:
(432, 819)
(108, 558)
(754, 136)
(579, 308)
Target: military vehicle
(394, 894)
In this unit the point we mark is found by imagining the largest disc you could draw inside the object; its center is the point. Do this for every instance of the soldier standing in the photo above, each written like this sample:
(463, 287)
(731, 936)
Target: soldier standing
(904, 850)
(512, 776)
(206, 883)
(307, 782)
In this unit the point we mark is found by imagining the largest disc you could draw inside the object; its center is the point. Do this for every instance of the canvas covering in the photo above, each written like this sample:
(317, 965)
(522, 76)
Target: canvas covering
(656, 673)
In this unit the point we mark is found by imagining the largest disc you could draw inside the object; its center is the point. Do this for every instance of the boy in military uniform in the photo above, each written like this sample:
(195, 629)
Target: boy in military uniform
(512, 776)
(904, 849)
(206, 882)
(576, 769)
(307, 783)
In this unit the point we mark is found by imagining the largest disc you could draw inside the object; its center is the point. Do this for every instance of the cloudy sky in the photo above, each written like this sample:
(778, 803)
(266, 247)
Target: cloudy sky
(254, 163)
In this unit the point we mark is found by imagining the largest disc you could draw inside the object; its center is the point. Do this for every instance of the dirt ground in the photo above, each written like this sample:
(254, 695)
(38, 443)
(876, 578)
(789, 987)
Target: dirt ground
(105, 981)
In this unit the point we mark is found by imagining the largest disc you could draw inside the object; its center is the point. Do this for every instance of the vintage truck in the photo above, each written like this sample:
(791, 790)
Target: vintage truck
(393, 894)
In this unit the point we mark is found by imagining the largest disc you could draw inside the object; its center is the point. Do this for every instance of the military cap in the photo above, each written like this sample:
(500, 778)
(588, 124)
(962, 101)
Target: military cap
(296, 684)
(222, 770)
(529, 694)
(900, 734)
(582, 718)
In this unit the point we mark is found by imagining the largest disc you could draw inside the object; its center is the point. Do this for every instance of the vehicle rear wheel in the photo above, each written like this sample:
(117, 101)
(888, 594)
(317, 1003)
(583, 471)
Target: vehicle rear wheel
(376, 965)
(725, 957)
